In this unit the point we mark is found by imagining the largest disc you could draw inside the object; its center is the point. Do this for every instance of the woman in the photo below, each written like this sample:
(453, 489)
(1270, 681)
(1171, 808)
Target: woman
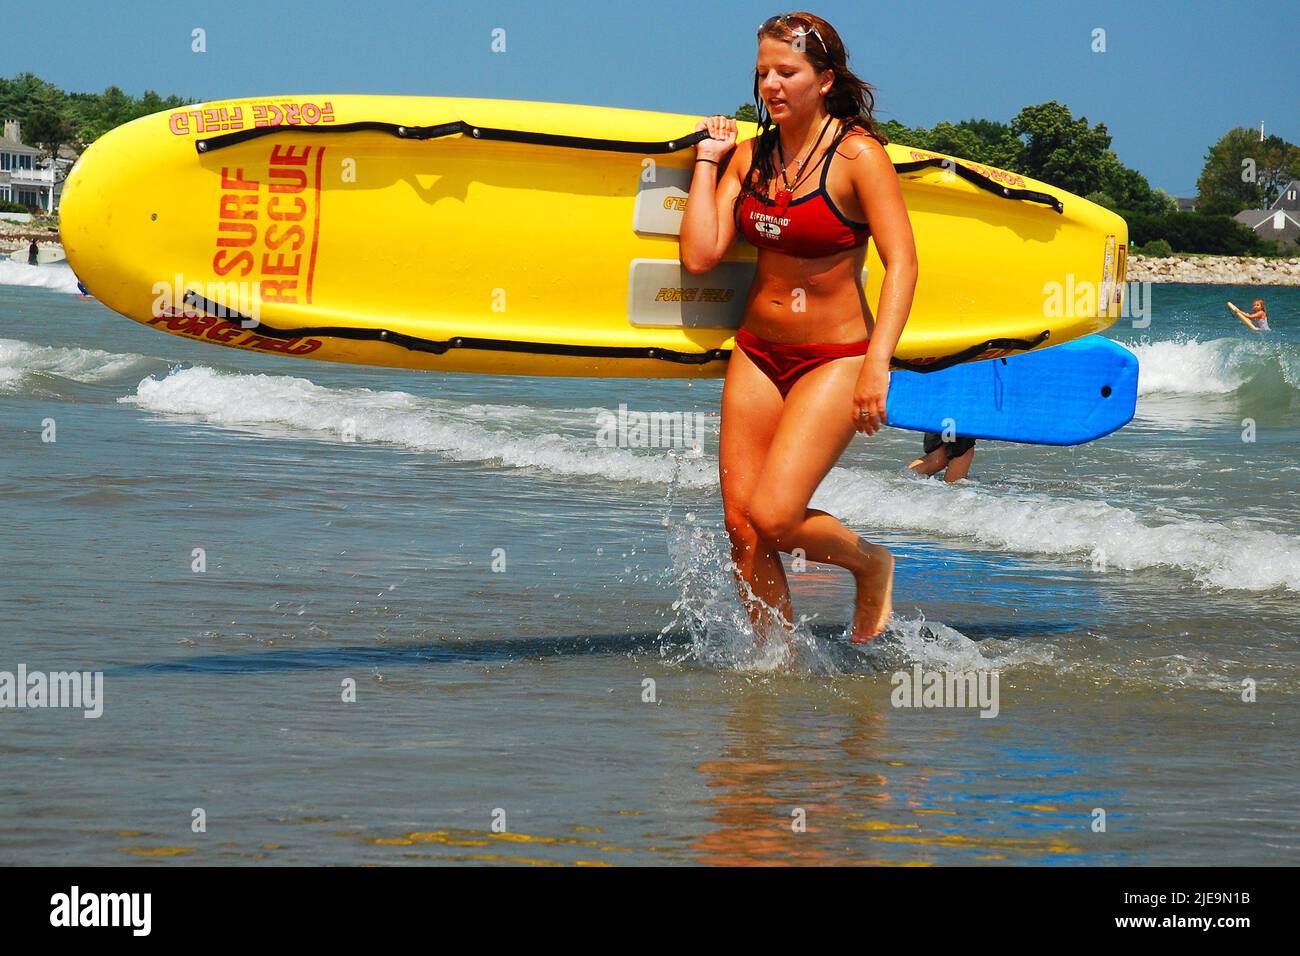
(811, 364)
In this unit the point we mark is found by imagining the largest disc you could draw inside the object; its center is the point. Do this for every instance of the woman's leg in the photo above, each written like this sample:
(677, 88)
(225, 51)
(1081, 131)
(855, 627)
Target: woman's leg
(751, 410)
(816, 426)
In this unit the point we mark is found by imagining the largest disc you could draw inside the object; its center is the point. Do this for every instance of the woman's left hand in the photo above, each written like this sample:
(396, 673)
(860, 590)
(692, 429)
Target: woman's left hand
(869, 398)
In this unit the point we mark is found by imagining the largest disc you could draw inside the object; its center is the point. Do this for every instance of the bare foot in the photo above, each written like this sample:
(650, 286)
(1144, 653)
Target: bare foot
(769, 623)
(874, 601)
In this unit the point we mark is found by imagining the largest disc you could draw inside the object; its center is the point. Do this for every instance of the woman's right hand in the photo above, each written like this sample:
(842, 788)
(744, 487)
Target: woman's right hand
(722, 138)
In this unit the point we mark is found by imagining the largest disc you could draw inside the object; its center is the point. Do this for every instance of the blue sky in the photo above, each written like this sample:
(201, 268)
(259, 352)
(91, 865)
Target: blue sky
(1174, 77)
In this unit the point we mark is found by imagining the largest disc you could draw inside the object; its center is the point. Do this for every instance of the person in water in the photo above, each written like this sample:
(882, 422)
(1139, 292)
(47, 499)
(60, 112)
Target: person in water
(811, 363)
(953, 458)
(1258, 317)
(33, 254)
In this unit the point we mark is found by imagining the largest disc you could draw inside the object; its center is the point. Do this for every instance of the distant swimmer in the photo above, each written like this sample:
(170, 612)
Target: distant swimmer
(1257, 320)
(955, 456)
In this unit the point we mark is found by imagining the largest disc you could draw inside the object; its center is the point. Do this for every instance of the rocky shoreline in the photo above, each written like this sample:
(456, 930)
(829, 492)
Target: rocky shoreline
(1215, 270)
(13, 236)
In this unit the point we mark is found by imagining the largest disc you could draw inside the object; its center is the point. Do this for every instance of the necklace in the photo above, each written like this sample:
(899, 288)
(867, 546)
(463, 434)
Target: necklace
(784, 195)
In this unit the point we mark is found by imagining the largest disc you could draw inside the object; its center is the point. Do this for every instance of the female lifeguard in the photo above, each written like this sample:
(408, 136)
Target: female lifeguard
(811, 363)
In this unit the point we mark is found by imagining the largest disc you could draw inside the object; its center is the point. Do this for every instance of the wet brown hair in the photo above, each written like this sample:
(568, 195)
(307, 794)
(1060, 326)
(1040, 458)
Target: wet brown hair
(850, 98)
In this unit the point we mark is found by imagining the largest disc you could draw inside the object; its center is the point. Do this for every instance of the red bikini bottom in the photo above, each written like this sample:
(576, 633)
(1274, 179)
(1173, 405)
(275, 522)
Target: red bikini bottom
(786, 363)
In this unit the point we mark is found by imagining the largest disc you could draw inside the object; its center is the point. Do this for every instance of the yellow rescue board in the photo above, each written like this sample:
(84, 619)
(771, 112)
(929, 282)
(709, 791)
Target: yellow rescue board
(472, 235)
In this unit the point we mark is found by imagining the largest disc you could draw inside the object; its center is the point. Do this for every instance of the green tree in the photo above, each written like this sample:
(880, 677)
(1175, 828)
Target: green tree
(49, 131)
(52, 118)
(1225, 185)
(1103, 198)
(1196, 232)
(896, 132)
(1061, 150)
(1044, 141)
(114, 109)
(998, 145)
(1126, 190)
(1279, 163)
(956, 140)
(1166, 204)
(990, 132)
(26, 90)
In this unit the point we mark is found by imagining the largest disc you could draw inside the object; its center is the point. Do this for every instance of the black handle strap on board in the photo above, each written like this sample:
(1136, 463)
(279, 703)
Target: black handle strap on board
(213, 143)
(415, 343)
(983, 182)
(965, 355)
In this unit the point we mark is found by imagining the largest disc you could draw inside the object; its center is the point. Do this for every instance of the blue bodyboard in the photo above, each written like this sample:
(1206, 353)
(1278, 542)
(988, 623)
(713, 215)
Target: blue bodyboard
(1062, 395)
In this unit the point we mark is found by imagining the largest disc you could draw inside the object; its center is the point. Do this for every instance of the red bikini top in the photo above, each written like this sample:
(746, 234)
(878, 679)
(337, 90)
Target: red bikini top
(809, 226)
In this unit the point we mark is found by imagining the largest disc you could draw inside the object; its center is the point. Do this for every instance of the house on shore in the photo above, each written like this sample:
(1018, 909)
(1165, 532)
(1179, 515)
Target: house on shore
(1280, 221)
(26, 178)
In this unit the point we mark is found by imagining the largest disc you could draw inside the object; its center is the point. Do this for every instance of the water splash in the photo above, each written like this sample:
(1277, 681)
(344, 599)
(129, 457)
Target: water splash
(57, 276)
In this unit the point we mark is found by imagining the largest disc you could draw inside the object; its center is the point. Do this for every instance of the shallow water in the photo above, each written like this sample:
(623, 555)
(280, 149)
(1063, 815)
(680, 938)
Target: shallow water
(350, 521)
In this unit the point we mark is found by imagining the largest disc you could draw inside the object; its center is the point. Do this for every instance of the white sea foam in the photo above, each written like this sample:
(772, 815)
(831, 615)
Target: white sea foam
(709, 609)
(1095, 532)
(19, 360)
(1214, 367)
(57, 276)
(512, 435)
(1086, 531)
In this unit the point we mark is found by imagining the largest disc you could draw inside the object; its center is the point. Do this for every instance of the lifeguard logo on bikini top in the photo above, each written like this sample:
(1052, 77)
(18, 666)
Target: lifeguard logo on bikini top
(768, 225)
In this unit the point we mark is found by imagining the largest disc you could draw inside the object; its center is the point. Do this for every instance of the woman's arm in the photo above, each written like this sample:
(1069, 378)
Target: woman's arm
(876, 184)
(707, 227)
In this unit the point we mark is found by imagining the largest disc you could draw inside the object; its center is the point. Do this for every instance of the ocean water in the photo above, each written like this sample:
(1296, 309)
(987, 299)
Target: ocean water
(549, 661)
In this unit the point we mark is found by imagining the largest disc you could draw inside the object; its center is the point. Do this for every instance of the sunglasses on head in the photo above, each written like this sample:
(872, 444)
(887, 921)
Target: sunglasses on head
(798, 25)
